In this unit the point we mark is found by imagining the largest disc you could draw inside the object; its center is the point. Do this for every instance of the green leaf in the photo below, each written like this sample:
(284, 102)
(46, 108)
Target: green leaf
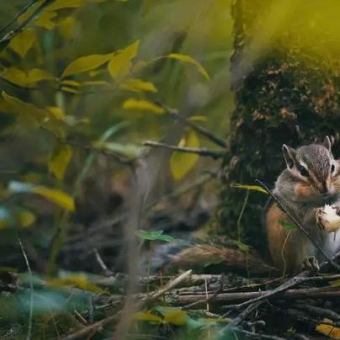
(87, 63)
(242, 246)
(60, 160)
(153, 235)
(287, 225)
(138, 85)
(22, 42)
(187, 59)
(181, 163)
(143, 105)
(55, 196)
(120, 64)
(128, 150)
(249, 187)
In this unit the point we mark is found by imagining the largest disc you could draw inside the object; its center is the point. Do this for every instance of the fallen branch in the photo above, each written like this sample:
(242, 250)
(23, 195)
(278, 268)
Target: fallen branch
(143, 302)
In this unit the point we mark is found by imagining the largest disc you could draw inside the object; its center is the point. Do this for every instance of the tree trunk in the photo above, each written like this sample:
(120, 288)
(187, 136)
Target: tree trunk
(285, 75)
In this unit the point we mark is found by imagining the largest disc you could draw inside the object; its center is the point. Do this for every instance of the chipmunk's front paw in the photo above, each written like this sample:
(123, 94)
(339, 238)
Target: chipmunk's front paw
(311, 264)
(328, 219)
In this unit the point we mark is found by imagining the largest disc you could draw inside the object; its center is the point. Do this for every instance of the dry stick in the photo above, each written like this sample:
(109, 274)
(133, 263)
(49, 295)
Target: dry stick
(302, 293)
(258, 335)
(30, 319)
(96, 326)
(202, 131)
(123, 161)
(298, 224)
(201, 152)
(107, 272)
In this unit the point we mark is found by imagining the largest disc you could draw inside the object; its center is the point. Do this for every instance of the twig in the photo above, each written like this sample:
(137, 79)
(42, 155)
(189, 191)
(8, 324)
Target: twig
(101, 263)
(253, 335)
(30, 318)
(298, 224)
(202, 152)
(202, 131)
(23, 10)
(11, 34)
(86, 146)
(94, 327)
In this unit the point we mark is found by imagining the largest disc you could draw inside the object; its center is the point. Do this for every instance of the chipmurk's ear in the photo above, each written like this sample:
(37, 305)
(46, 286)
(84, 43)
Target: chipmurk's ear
(289, 154)
(327, 143)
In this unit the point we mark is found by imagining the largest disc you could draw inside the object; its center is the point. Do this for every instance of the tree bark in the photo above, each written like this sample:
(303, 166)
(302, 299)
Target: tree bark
(286, 89)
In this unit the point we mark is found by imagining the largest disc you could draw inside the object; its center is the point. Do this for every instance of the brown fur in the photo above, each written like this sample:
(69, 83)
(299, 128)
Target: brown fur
(283, 244)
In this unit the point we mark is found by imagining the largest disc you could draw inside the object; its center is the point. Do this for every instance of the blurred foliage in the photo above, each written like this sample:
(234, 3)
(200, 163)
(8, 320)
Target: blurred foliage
(83, 84)
(71, 70)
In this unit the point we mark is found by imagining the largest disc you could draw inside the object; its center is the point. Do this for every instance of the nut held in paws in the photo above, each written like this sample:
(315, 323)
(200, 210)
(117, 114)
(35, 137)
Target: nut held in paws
(328, 218)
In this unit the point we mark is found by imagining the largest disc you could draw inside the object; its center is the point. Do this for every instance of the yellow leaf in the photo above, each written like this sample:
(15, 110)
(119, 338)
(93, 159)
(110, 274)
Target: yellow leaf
(15, 76)
(16, 217)
(26, 218)
(335, 283)
(29, 12)
(76, 280)
(138, 85)
(249, 187)
(58, 197)
(44, 20)
(22, 42)
(59, 160)
(67, 27)
(137, 104)
(61, 4)
(21, 108)
(68, 82)
(36, 74)
(70, 90)
(24, 79)
(147, 316)
(181, 163)
(198, 118)
(120, 63)
(56, 112)
(95, 83)
(86, 63)
(330, 331)
(55, 196)
(175, 317)
(189, 60)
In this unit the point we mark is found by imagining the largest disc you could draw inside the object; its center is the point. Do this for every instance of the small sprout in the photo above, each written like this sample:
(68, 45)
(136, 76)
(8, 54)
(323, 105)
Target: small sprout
(154, 235)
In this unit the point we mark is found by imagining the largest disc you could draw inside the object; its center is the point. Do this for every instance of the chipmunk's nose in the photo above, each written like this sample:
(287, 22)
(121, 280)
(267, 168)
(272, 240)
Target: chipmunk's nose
(323, 188)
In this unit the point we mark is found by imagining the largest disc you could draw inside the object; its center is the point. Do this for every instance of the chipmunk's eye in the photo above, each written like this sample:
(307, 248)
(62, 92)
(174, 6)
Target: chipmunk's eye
(332, 168)
(303, 171)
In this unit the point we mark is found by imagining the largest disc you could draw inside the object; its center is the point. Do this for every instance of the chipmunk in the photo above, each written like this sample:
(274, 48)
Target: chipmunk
(311, 180)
